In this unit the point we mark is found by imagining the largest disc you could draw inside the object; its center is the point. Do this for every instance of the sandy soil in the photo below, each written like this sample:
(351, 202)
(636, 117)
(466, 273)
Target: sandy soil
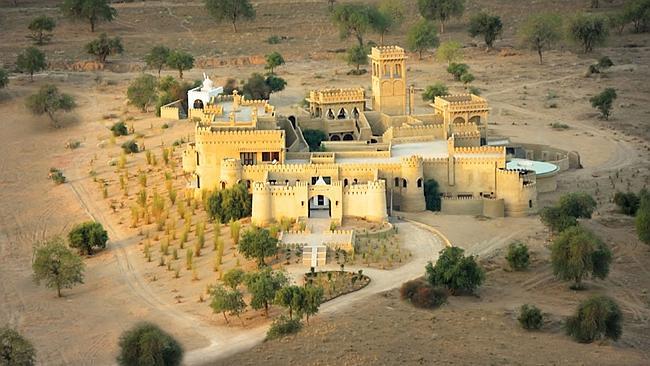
(83, 328)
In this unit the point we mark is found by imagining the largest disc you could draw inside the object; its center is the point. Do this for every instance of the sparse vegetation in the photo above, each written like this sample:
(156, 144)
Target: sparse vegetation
(130, 147)
(604, 102)
(103, 47)
(283, 326)
(49, 101)
(422, 295)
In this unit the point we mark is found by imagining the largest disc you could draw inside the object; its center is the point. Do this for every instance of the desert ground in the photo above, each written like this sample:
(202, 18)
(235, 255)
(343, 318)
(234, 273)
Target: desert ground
(371, 326)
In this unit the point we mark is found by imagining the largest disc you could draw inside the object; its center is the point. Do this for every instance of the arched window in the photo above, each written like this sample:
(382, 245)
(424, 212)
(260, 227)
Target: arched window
(330, 114)
(345, 182)
(420, 183)
(248, 183)
(396, 182)
(198, 104)
(404, 183)
(343, 114)
(355, 181)
(223, 185)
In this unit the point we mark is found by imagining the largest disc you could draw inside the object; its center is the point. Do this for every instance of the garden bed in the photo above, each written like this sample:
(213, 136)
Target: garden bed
(337, 283)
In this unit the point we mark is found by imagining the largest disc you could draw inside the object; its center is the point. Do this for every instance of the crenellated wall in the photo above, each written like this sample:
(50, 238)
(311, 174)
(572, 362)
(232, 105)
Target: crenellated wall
(518, 190)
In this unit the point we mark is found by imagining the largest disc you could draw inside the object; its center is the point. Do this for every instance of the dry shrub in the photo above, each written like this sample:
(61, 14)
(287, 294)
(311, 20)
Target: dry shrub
(423, 295)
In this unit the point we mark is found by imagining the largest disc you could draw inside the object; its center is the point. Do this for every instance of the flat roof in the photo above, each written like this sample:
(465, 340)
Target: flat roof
(539, 167)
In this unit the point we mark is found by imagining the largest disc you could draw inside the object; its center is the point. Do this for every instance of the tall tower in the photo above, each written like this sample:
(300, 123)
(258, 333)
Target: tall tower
(388, 80)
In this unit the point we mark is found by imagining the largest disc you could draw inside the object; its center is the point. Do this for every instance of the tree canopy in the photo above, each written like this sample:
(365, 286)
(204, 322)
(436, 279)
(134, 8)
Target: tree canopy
(181, 61)
(595, 318)
(291, 297)
(91, 10)
(263, 285)
(103, 47)
(4, 78)
(48, 100)
(604, 102)
(489, 26)
(441, 10)
(540, 32)
(230, 203)
(577, 252)
(227, 301)
(57, 266)
(31, 60)
(257, 243)
(455, 271)
(354, 20)
(230, 10)
(589, 31)
(422, 36)
(147, 344)
(41, 28)
(88, 235)
(273, 60)
(642, 220)
(142, 91)
(449, 51)
(314, 138)
(357, 56)
(157, 58)
(390, 16)
(15, 349)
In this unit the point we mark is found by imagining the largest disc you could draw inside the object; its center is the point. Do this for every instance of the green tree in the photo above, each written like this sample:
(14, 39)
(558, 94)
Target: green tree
(233, 278)
(577, 204)
(390, 17)
(449, 51)
(556, 219)
(91, 10)
(258, 244)
(230, 10)
(432, 195)
(181, 61)
(88, 235)
(103, 47)
(540, 32)
(230, 203)
(4, 78)
(263, 285)
(588, 30)
(441, 10)
(49, 101)
(31, 60)
(642, 220)
(604, 102)
(430, 94)
(354, 20)
(489, 26)
(517, 256)
(273, 60)
(638, 12)
(256, 87)
(227, 301)
(291, 297)
(357, 56)
(577, 252)
(457, 70)
(421, 37)
(147, 344)
(628, 202)
(312, 300)
(157, 58)
(142, 91)
(455, 271)
(275, 83)
(467, 78)
(41, 28)
(595, 318)
(57, 266)
(15, 350)
(314, 138)
(530, 317)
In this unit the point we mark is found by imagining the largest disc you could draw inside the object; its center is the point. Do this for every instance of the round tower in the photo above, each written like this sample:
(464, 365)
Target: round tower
(376, 199)
(412, 196)
(261, 215)
(231, 172)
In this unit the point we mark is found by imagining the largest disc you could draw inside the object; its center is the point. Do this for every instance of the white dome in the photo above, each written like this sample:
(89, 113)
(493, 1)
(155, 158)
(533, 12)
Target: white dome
(207, 84)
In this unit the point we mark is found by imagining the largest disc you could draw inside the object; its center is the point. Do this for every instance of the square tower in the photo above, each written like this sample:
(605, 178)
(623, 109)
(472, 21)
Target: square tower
(388, 80)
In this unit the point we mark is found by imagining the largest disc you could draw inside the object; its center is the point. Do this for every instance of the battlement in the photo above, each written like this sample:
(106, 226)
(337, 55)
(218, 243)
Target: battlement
(339, 95)
(230, 163)
(480, 150)
(412, 161)
(387, 53)
(202, 130)
(458, 102)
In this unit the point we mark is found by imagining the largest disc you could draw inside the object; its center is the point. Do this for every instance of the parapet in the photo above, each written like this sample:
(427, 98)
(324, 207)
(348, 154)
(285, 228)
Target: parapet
(387, 53)
(332, 96)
